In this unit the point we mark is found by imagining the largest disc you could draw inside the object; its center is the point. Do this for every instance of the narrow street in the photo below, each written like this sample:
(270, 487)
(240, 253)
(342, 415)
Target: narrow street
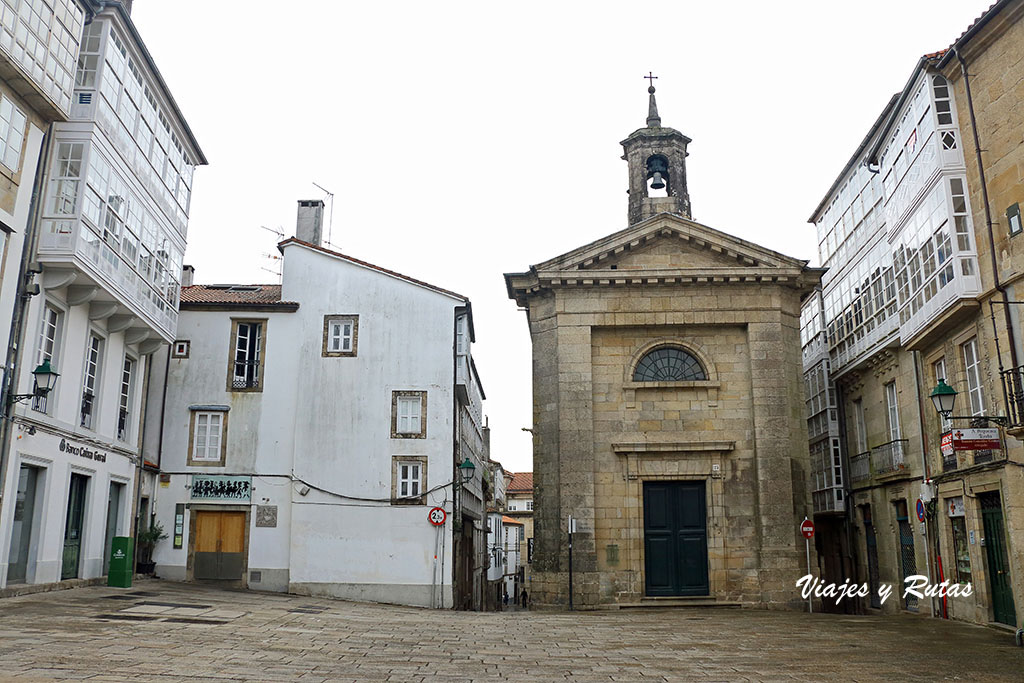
(159, 631)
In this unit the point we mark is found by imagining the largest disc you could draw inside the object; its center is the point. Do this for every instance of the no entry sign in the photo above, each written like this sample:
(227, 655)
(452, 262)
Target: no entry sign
(807, 528)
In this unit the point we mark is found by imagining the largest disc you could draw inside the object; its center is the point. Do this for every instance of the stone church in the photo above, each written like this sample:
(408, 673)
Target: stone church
(668, 404)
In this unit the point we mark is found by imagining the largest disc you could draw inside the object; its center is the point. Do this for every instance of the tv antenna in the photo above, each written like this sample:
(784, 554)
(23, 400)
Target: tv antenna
(279, 232)
(330, 217)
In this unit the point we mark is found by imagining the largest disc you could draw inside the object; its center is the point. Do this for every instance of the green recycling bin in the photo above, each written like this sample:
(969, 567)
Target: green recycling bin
(122, 564)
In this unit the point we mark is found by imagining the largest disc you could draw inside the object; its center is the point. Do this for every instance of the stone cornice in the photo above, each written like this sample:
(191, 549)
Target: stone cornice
(673, 447)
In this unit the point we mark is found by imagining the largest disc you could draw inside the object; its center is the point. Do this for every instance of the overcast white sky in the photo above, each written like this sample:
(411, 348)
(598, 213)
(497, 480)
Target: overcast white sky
(463, 140)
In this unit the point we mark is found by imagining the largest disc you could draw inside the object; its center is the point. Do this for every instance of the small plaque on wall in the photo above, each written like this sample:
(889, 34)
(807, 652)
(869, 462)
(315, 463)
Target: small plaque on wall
(266, 516)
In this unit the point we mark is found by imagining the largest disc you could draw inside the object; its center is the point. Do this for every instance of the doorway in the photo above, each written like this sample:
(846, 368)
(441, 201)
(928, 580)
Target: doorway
(908, 559)
(115, 502)
(675, 539)
(219, 551)
(23, 525)
(71, 559)
(1003, 609)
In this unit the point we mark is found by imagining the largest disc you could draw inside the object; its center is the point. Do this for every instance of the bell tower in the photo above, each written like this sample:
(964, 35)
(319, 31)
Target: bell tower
(657, 167)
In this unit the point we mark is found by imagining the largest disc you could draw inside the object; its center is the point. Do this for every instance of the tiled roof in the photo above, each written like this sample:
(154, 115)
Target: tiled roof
(243, 295)
(365, 264)
(521, 482)
(505, 519)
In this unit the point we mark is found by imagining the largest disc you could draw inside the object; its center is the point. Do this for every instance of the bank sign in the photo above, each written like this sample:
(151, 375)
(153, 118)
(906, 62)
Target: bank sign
(221, 487)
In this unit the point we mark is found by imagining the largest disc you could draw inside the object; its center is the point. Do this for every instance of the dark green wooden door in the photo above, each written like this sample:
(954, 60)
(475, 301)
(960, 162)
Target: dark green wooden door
(71, 558)
(998, 564)
(675, 538)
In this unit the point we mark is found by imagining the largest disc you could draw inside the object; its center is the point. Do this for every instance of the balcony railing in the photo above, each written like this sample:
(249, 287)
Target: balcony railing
(122, 424)
(87, 400)
(247, 374)
(888, 457)
(1013, 389)
(860, 466)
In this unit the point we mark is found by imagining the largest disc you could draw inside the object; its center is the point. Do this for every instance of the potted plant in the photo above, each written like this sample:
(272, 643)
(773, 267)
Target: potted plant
(145, 541)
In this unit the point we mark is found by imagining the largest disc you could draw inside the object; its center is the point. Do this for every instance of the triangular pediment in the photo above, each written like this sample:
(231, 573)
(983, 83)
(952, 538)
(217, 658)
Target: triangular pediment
(666, 249)
(670, 242)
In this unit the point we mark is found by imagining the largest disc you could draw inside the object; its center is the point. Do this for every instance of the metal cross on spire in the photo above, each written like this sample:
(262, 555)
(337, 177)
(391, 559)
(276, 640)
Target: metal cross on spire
(653, 120)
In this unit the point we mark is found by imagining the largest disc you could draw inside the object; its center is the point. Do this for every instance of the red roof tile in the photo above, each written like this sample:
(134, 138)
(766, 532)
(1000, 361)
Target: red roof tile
(505, 519)
(522, 482)
(245, 295)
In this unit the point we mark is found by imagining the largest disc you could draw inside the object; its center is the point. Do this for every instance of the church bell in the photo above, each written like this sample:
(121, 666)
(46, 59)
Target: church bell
(659, 183)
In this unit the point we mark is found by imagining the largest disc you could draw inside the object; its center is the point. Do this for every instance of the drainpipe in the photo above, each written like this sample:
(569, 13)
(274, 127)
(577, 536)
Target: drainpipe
(997, 283)
(22, 299)
(925, 472)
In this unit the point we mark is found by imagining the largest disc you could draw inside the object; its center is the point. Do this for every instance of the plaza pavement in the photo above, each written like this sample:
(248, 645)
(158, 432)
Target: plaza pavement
(160, 631)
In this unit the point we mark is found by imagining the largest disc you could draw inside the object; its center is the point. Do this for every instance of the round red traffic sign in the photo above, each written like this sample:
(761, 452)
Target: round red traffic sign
(807, 528)
(436, 516)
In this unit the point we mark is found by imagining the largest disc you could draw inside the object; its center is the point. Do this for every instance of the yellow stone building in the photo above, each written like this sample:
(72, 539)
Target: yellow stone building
(668, 409)
(920, 237)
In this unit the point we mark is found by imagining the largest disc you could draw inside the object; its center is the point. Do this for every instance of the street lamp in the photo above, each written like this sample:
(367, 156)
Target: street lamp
(944, 396)
(44, 377)
(466, 470)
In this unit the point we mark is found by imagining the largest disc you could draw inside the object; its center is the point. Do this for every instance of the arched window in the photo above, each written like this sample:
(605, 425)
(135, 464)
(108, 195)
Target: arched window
(668, 364)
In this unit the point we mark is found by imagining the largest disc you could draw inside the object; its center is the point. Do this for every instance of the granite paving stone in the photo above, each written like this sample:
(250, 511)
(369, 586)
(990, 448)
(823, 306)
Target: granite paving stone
(71, 635)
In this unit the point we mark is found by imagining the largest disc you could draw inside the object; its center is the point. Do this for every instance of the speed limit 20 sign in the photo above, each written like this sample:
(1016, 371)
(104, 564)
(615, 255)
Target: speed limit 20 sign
(436, 516)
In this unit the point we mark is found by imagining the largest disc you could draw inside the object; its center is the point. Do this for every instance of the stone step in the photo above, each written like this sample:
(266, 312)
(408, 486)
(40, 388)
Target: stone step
(678, 602)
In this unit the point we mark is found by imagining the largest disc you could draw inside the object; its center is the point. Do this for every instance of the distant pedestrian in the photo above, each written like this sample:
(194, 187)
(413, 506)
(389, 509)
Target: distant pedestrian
(505, 599)
(523, 597)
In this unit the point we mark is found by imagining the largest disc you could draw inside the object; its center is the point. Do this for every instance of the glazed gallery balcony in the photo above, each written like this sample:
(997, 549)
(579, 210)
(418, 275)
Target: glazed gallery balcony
(74, 256)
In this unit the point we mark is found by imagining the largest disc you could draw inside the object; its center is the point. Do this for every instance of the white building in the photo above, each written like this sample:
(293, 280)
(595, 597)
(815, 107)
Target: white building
(308, 429)
(111, 227)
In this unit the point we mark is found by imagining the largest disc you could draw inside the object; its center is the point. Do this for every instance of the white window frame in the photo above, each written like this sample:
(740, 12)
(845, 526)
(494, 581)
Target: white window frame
(13, 123)
(409, 415)
(461, 340)
(892, 411)
(125, 399)
(861, 427)
(341, 335)
(247, 354)
(207, 450)
(51, 329)
(92, 376)
(410, 479)
(972, 369)
(529, 506)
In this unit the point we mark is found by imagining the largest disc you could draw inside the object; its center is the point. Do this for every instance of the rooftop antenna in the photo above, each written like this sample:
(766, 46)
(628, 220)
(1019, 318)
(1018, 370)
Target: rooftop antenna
(330, 217)
(279, 231)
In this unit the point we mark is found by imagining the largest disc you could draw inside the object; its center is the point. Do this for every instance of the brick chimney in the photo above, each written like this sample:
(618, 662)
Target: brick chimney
(310, 224)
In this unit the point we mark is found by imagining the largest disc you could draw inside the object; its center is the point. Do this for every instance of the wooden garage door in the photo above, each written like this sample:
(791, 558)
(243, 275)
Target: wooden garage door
(220, 545)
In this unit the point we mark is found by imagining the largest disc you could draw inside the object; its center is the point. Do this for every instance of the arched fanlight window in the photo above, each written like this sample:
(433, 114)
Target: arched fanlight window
(668, 364)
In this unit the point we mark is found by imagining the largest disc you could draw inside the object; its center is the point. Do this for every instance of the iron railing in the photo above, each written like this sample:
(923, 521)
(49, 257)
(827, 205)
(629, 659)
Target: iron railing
(1013, 390)
(246, 375)
(860, 466)
(122, 424)
(889, 456)
(87, 401)
(949, 463)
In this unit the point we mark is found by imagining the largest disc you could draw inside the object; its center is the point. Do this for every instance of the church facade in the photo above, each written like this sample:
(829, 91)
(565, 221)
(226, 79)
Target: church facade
(668, 405)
